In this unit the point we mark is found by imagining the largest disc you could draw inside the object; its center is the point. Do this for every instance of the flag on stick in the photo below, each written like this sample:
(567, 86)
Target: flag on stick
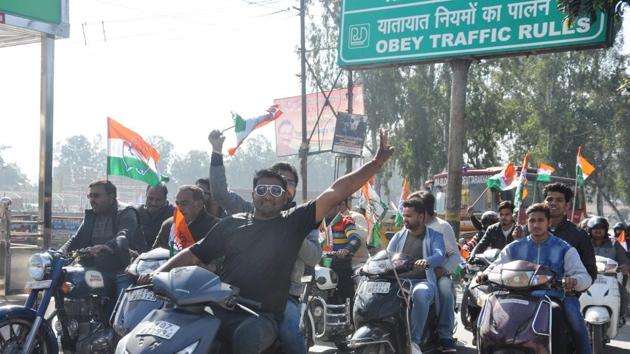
(622, 240)
(503, 180)
(180, 236)
(521, 189)
(583, 168)
(130, 156)
(544, 172)
(404, 194)
(375, 211)
(244, 127)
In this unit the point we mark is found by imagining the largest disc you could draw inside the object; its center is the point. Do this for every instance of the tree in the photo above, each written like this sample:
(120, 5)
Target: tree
(165, 148)
(188, 168)
(79, 161)
(577, 8)
(11, 177)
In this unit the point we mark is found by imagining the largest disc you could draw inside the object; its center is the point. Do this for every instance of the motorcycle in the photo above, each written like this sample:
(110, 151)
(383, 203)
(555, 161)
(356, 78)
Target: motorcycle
(319, 319)
(601, 304)
(186, 325)
(133, 306)
(474, 294)
(81, 292)
(517, 314)
(381, 312)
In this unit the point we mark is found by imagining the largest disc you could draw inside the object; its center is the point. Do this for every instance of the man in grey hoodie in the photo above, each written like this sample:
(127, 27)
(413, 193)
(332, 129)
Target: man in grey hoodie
(310, 252)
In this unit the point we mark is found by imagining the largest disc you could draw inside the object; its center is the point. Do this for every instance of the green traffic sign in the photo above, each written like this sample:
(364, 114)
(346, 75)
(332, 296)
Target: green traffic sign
(39, 10)
(389, 32)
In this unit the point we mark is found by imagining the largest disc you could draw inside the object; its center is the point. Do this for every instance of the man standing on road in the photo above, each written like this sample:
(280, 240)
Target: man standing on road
(260, 249)
(154, 211)
(445, 284)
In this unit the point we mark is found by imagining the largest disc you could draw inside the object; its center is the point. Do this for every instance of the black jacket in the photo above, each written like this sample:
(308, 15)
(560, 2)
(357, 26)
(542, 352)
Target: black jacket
(198, 228)
(150, 224)
(493, 238)
(124, 222)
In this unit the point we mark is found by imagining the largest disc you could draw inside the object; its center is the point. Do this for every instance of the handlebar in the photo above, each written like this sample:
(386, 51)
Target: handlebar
(252, 303)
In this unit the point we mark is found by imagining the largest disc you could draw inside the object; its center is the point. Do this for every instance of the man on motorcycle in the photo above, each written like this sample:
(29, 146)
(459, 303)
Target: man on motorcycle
(190, 202)
(310, 252)
(260, 249)
(444, 271)
(606, 247)
(346, 241)
(427, 245)
(500, 234)
(154, 211)
(488, 218)
(101, 225)
(544, 248)
(558, 198)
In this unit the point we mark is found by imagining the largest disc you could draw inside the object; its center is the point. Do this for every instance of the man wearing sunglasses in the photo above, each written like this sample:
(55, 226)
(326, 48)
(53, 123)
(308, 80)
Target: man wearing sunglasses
(260, 249)
(310, 252)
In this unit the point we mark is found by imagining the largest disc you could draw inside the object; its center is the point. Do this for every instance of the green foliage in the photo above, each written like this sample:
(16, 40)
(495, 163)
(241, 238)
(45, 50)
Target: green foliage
(79, 161)
(186, 169)
(11, 177)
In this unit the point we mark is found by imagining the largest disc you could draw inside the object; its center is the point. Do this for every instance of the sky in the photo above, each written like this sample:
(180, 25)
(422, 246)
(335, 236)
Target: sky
(174, 69)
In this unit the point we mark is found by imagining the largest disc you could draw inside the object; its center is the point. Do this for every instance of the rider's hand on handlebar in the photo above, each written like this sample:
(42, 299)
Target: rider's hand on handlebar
(624, 268)
(100, 249)
(144, 279)
(421, 264)
(482, 278)
(569, 283)
(342, 253)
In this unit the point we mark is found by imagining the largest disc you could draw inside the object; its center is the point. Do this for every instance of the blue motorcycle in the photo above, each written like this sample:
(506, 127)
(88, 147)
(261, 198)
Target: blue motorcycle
(82, 292)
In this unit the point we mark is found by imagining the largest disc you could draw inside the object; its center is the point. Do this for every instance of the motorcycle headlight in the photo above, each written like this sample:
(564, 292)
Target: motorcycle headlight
(39, 265)
(189, 349)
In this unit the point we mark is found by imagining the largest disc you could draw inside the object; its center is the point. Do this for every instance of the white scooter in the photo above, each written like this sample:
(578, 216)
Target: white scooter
(601, 304)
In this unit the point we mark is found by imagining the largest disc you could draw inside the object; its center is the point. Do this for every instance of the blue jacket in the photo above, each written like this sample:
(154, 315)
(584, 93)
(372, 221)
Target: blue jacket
(432, 250)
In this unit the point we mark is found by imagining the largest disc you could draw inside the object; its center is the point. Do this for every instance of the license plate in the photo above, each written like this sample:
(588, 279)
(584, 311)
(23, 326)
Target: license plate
(379, 287)
(160, 329)
(41, 284)
(142, 294)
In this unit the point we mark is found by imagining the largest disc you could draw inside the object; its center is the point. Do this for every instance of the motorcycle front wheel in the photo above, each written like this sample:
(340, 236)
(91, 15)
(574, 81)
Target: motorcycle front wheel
(597, 339)
(13, 333)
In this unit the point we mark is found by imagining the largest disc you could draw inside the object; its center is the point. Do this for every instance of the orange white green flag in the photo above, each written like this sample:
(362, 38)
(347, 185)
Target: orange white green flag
(521, 189)
(375, 210)
(130, 156)
(544, 172)
(583, 168)
(504, 180)
(179, 236)
(622, 240)
(244, 127)
(404, 194)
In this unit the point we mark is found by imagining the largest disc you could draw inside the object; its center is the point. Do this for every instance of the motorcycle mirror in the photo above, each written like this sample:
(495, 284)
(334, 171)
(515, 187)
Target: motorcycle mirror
(462, 241)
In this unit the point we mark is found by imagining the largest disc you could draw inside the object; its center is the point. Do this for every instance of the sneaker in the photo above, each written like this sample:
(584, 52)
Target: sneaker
(447, 346)
(415, 348)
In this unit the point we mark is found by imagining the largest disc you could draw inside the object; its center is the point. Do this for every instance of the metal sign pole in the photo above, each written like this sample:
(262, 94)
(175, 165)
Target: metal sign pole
(46, 136)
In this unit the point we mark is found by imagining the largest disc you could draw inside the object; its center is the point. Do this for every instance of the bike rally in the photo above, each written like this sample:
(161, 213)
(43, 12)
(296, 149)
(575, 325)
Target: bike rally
(397, 208)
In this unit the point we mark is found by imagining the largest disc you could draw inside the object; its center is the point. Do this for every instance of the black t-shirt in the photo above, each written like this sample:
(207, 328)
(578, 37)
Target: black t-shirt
(413, 249)
(259, 254)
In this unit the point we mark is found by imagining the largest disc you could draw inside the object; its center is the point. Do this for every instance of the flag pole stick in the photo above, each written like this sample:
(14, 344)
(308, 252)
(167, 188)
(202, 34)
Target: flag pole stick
(480, 195)
(226, 129)
(575, 196)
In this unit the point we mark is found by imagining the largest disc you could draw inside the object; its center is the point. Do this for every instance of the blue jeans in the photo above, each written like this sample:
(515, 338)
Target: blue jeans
(577, 326)
(122, 281)
(289, 329)
(423, 295)
(447, 308)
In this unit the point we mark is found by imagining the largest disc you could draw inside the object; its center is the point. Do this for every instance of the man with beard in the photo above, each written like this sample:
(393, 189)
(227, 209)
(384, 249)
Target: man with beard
(154, 211)
(500, 234)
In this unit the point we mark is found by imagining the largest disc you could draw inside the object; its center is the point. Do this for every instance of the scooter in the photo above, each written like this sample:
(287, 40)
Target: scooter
(134, 305)
(475, 294)
(517, 315)
(187, 324)
(319, 319)
(601, 304)
(380, 309)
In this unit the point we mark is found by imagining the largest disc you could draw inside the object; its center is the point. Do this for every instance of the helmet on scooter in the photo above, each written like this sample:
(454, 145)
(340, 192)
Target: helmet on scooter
(597, 222)
(488, 218)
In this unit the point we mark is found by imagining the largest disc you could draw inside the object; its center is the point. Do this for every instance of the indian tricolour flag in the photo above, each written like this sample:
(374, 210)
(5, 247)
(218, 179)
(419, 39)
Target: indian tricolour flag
(243, 127)
(404, 194)
(504, 180)
(544, 172)
(583, 168)
(129, 155)
(521, 189)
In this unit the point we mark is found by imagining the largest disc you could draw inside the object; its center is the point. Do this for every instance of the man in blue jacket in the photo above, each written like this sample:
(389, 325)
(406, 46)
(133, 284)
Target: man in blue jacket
(426, 245)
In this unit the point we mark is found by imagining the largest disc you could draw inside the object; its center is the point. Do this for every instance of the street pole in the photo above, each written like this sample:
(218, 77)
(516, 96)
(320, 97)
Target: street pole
(456, 141)
(304, 145)
(350, 110)
(46, 136)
